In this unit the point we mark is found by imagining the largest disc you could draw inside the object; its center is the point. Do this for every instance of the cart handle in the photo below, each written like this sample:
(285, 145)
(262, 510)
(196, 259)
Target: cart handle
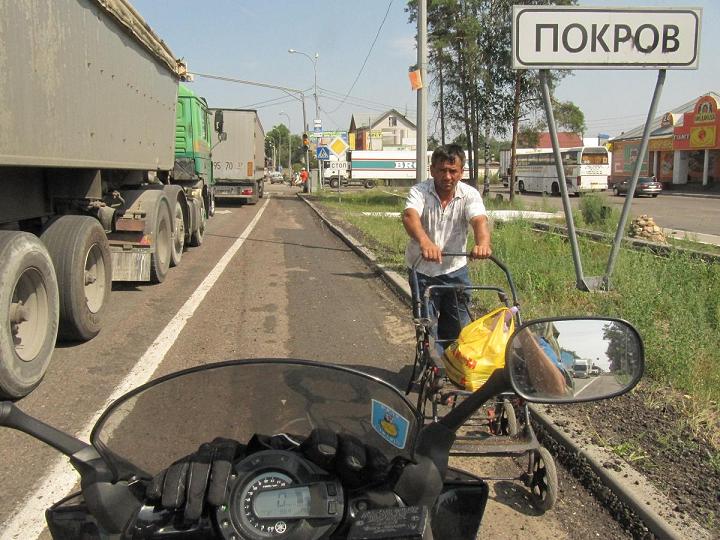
(416, 288)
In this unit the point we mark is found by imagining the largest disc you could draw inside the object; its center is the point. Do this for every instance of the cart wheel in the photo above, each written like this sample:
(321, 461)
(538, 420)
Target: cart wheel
(505, 422)
(543, 482)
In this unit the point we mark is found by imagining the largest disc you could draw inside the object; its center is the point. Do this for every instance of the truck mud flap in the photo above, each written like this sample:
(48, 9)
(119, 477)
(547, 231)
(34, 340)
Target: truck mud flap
(131, 264)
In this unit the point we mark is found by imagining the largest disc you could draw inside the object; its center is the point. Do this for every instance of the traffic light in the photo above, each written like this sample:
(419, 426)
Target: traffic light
(306, 141)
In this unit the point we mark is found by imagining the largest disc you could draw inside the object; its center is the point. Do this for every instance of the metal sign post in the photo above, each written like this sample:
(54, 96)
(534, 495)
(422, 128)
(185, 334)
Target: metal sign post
(552, 37)
(633, 180)
(581, 282)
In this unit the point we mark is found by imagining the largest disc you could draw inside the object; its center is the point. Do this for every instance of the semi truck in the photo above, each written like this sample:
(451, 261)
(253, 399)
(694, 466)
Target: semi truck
(376, 167)
(104, 171)
(239, 163)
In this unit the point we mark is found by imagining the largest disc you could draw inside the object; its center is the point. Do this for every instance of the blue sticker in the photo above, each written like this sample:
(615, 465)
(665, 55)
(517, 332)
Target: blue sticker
(389, 424)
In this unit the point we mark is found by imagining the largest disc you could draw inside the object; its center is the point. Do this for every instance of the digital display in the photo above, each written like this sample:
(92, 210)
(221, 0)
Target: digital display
(293, 502)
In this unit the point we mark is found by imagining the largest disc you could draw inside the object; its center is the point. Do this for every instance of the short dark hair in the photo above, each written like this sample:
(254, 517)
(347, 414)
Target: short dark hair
(448, 153)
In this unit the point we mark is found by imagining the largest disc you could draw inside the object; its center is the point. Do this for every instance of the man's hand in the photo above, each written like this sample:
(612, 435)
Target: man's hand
(196, 480)
(481, 252)
(431, 252)
(355, 463)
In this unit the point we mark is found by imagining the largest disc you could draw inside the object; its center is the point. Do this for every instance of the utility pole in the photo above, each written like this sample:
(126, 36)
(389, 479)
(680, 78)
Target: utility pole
(421, 141)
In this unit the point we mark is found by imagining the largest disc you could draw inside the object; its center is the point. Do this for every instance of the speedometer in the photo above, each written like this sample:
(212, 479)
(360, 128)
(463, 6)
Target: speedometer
(279, 494)
(254, 495)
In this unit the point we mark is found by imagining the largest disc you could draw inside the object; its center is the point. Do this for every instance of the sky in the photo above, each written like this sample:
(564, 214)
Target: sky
(364, 50)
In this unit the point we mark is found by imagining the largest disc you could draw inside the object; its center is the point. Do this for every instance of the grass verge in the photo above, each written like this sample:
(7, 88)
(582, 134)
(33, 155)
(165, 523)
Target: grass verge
(673, 301)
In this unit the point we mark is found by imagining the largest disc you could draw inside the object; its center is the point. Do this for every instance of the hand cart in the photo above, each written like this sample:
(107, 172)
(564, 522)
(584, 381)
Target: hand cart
(494, 431)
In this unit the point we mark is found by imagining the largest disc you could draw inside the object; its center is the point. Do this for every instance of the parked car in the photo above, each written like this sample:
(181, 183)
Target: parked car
(276, 178)
(646, 185)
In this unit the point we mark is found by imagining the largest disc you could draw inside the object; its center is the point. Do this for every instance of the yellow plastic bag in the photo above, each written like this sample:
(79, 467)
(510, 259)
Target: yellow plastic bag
(479, 349)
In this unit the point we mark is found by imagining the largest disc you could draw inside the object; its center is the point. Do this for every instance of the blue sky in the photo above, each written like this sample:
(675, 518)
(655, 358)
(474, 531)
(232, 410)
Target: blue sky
(249, 40)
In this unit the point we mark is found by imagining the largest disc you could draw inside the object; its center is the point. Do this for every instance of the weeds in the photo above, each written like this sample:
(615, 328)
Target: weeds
(630, 451)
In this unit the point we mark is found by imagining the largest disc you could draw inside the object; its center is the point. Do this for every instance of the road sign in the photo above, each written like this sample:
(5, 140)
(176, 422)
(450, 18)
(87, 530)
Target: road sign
(338, 147)
(323, 153)
(605, 38)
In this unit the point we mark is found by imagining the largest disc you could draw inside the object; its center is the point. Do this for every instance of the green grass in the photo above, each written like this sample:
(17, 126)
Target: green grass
(674, 302)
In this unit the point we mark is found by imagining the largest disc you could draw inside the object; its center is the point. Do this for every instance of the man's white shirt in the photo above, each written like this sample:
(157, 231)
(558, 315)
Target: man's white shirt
(447, 227)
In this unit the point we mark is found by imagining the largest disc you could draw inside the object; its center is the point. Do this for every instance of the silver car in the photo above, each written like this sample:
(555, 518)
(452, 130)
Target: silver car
(646, 185)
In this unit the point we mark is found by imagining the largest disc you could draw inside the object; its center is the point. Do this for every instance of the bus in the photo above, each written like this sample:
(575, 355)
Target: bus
(586, 169)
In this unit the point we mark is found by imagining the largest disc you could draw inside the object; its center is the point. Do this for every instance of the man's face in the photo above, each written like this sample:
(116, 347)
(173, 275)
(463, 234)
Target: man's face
(446, 175)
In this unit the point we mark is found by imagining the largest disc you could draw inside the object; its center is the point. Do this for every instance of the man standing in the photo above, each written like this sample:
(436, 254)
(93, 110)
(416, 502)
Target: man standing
(437, 215)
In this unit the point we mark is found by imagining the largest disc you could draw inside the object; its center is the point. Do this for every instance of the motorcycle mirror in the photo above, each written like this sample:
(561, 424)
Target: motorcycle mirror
(570, 360)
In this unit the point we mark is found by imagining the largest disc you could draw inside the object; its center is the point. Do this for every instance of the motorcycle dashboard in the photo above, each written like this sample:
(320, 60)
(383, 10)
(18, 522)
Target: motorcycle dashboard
(279, 494)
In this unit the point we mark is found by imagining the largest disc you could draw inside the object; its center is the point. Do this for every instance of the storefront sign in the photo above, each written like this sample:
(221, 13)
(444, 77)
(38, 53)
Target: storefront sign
(668, 120)
(659, 145)
(700, 127)
(605, 38)
(624, 156)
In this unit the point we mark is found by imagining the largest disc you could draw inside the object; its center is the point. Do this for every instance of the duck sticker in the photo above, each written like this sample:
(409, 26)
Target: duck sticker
(389, 424)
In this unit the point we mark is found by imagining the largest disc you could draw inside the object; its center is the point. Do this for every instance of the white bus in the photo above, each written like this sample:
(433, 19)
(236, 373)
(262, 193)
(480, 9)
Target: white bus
(586, 169)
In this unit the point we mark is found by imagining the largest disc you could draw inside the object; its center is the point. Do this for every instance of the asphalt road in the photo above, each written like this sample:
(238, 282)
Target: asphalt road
(291, 289)
(685, 213)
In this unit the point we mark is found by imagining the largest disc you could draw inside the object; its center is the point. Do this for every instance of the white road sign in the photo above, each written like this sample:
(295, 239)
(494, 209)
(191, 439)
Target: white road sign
(605, 38)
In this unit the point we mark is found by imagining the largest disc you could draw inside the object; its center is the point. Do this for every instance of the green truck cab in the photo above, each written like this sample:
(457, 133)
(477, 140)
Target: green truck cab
(193, 145)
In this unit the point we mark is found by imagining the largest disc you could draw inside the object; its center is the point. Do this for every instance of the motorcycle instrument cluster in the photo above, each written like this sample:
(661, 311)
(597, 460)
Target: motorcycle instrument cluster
(279, 494)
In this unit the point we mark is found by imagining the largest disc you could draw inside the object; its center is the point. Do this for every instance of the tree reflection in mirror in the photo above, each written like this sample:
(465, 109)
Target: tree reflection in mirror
(574, 359)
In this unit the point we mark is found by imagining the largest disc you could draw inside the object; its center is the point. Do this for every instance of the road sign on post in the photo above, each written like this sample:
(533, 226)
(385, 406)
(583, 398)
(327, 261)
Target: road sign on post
(338, 146)
(322, 152)
(605, 38)
(602, 38)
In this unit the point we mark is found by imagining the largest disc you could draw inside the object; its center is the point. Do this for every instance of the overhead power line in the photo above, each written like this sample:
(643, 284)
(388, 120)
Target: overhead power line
(366, 57)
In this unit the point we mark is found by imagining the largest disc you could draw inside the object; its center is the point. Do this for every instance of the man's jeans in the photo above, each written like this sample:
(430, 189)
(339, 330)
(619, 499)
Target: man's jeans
(448, 315)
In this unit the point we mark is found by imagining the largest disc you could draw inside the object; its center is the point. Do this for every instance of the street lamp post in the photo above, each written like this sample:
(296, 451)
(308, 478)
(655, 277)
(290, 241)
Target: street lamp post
(314, 60)
(289, 151)
(272, 154)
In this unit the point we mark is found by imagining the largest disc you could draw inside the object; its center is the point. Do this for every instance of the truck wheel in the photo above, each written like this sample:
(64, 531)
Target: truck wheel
(178, 243)
(29, 311)
(162, 236)
(261, 189)
(334, 183)
(80, 253)
(521, 186)
(196, 238)
(369, 184)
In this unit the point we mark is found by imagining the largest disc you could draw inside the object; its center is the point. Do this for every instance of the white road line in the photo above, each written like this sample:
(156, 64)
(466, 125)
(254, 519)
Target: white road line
(29, 519)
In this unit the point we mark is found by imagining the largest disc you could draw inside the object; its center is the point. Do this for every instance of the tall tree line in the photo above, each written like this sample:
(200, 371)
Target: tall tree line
(478, 93)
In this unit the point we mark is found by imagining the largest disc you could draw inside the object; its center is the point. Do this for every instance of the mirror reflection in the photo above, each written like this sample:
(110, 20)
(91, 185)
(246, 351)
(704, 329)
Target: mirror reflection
(574, 359)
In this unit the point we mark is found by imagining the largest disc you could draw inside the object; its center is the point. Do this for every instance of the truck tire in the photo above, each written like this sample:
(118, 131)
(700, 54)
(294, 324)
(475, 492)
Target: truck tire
(178, 243)
(196, 237)
(334, 183)
(29, 311)
(369, 184)
(80, 253)
(256, 195)
(261, 189)
(162, 237)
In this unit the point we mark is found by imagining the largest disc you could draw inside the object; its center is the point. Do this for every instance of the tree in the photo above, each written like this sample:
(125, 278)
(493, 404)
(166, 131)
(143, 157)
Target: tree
(569, 116)
(469, 44)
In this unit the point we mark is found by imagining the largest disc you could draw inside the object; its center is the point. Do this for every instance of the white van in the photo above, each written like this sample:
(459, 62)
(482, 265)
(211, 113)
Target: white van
(581, 368)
